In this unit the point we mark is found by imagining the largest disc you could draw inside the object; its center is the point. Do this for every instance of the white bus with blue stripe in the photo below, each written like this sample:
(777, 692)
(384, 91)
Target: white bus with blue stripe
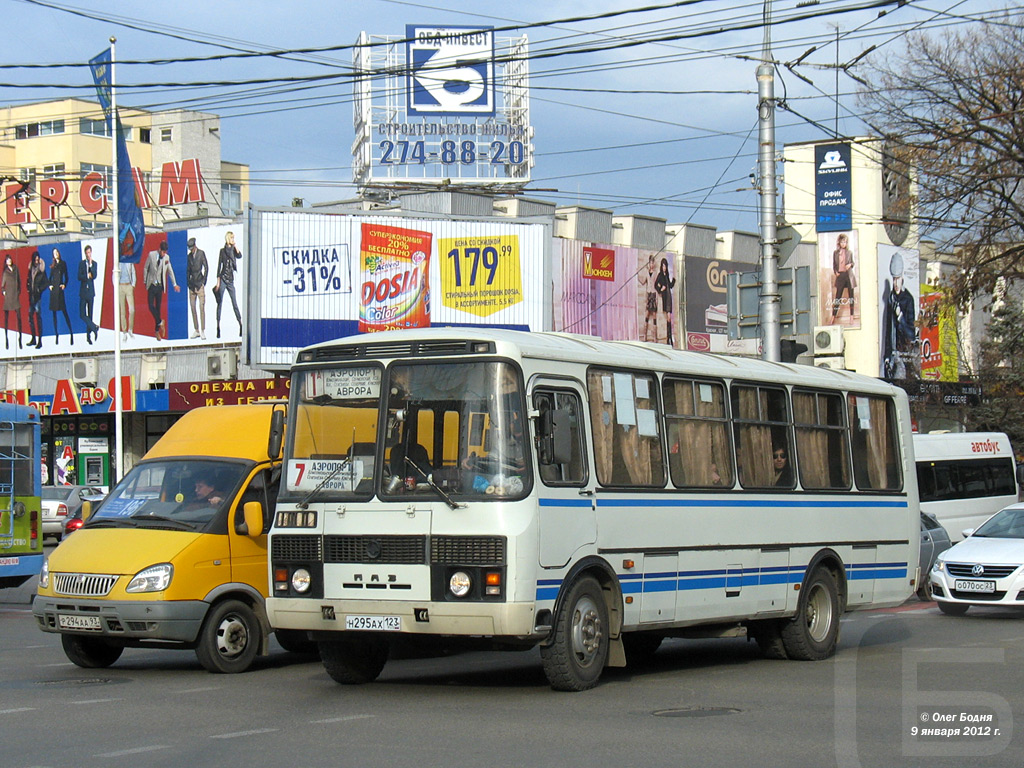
(592, 498)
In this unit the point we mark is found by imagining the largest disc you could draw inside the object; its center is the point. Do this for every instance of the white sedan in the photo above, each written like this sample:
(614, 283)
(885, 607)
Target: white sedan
(985, 568)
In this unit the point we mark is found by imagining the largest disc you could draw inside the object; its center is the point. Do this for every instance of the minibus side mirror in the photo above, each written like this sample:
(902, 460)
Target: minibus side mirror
(252, 513)
(86, 510)
(276, 434)
(555, 437)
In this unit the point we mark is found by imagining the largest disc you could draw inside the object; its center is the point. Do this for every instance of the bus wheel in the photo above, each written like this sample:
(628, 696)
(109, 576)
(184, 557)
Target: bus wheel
(814, 631)
(90, 652)
(230, 638)
(952, 609)
(354, 660)
(768, 636)
(579, 651)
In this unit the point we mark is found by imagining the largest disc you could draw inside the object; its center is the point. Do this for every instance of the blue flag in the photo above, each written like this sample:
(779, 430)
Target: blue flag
(131, 228)
(101, 75)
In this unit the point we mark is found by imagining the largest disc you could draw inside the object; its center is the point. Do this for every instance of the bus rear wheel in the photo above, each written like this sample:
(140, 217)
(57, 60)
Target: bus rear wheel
(576, 657)
(354, 660)
(90, 652)
(814, 631)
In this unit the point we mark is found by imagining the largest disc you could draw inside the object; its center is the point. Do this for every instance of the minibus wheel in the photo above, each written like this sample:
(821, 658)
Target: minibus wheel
(814, 631)
(90, 652)
(230, 638)
(354, 660)
(574, 660)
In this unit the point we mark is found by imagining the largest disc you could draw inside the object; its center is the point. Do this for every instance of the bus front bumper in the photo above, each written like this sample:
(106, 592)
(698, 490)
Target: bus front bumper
(458, 619)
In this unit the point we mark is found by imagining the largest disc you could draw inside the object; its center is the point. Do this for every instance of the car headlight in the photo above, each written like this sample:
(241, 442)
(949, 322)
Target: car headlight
(938, 566)
(301, 580)
(156, 578)
(460, 583)
(44, 576)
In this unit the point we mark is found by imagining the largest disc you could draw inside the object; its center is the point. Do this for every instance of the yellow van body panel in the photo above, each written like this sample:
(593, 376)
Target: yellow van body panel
(201, 561)
(231, 431)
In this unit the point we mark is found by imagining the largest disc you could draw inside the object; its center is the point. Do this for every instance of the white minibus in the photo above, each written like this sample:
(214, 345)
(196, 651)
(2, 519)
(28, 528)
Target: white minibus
(964, 477)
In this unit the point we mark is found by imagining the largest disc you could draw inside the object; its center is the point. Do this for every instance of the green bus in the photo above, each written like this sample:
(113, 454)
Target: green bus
(21, 536)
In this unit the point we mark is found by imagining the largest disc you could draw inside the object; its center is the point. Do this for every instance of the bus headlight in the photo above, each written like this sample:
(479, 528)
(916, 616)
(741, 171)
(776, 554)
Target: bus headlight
(459, 584)
(44, 576)
(301, 580)
(156, 578)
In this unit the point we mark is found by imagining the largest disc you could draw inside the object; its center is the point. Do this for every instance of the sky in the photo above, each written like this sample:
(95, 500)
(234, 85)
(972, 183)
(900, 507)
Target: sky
(647, 109)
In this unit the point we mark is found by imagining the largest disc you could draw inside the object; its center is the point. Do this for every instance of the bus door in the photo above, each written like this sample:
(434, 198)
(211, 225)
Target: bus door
(565, 492)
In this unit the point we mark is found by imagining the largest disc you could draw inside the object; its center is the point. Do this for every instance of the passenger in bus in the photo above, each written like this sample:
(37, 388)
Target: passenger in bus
(783, 472)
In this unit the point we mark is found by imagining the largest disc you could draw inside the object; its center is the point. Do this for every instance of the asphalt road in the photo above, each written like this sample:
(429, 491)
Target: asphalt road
(700, 703)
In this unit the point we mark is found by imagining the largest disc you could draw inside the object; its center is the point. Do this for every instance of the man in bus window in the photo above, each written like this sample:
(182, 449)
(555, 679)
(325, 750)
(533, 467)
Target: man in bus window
(783, 472)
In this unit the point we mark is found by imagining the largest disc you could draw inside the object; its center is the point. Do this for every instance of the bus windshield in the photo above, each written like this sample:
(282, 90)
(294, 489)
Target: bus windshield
(451, 429)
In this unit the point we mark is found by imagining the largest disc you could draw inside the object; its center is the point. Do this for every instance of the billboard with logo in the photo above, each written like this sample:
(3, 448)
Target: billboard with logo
(616, 292)
(442, 104)
(325, 276)
(705, 299)
(832, 189)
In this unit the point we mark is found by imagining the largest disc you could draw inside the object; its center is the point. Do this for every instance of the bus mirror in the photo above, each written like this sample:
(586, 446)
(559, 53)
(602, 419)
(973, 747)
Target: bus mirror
(555, 437)
(276, 434)
(253, 525)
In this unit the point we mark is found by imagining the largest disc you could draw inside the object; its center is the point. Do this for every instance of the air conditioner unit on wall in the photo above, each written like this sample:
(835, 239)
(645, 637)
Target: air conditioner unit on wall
(828, 340)
(153, 371)
(221, 364)
(84, 371)
(837, 362)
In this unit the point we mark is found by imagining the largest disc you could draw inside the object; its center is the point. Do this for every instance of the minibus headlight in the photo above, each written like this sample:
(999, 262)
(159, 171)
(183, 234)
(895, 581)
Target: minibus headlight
(301, 580)
(156, 578)
(44, 576)
(460, 583)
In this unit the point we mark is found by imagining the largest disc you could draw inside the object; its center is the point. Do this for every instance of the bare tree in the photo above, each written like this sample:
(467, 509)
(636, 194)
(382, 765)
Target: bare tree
(953, 110)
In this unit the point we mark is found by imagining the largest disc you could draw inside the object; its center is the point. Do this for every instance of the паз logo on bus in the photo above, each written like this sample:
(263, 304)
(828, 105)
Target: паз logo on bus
(451, 70)
(599, 264)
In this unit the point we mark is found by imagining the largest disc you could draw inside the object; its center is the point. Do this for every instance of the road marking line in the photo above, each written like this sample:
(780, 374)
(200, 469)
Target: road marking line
(15, 711)
(199, 690)
(59, 664)
(134, 751)
(94, 701)
(239, 734)
(344, 719)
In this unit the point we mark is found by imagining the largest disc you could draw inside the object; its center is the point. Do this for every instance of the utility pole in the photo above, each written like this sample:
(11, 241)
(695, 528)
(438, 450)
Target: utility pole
(769, 315)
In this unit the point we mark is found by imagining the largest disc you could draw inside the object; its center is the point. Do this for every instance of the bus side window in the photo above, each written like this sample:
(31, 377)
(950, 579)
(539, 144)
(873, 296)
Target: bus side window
(626, 428)
(573, 472)
(821, 440)
(876, 457)
(699, 454)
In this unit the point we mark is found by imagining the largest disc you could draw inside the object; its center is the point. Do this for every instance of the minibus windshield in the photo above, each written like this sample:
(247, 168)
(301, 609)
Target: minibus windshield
(186, 494)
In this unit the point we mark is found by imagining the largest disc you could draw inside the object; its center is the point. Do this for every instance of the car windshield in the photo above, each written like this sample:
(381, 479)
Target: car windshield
(1007, 524)
(185, 494)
